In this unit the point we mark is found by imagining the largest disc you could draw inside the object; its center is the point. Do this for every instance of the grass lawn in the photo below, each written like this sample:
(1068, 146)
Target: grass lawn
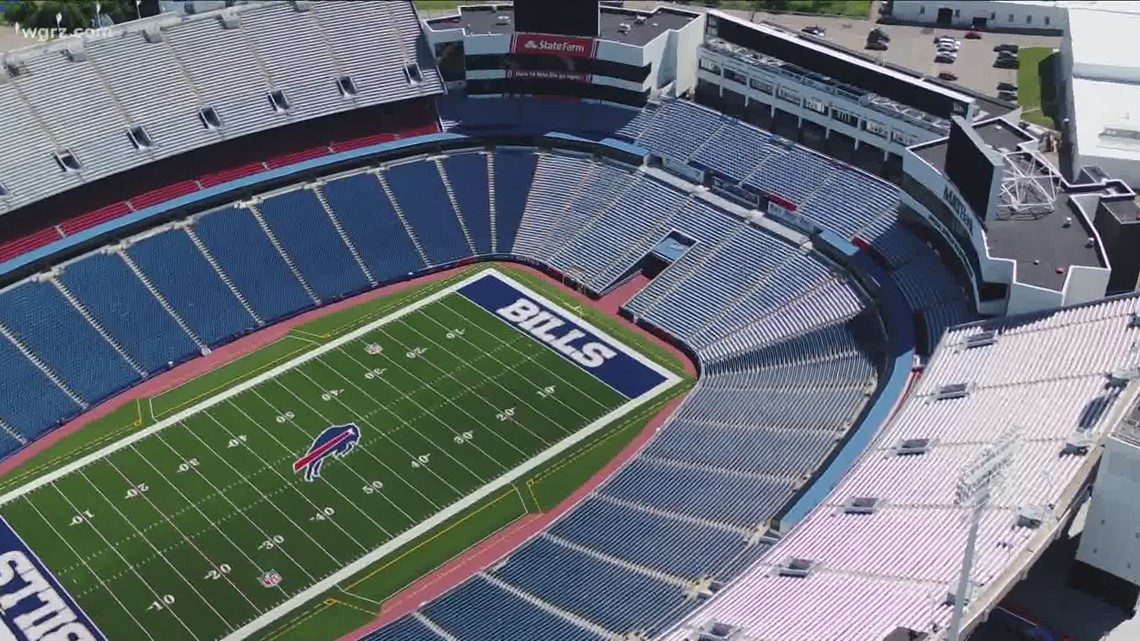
(850, 8)
(203, 526)
(1035, 89)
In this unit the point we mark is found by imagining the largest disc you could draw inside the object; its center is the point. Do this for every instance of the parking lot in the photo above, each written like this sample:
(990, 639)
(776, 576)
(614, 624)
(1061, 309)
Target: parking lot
(911, 47)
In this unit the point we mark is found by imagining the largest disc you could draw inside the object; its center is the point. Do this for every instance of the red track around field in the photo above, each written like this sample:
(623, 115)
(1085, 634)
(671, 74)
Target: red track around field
(462, 567)
(502, 543)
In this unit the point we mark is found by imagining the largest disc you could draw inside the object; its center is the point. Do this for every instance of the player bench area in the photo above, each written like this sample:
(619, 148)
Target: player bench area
(224, 517)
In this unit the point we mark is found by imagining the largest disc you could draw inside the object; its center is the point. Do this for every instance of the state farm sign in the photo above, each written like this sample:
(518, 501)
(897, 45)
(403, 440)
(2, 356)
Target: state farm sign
(544, 45)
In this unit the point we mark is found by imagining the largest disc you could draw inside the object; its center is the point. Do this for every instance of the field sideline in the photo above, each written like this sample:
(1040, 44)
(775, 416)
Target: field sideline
(442, 405)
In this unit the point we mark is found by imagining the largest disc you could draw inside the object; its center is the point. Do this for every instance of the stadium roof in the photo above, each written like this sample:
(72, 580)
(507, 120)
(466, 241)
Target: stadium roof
(484, 20)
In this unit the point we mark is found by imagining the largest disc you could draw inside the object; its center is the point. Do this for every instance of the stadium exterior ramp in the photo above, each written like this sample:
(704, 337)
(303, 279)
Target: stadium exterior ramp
(883, 551)
(88, 107)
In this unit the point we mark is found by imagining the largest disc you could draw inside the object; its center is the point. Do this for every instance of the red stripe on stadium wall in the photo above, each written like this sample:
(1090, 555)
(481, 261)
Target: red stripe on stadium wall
(537, 44)
(783, 202)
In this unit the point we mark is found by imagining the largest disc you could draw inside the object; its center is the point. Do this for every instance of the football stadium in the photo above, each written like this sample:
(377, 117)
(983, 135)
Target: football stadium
(544, 321)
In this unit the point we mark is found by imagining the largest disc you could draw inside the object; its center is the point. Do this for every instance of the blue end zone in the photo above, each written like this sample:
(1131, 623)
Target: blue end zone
(564, 336)
(33, 605)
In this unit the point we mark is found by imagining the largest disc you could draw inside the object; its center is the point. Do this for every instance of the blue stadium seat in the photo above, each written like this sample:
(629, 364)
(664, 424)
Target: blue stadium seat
(468, 175)
(29, 402)
(119, 301)
(404, 629)
(55, 332)
(514, 173)
(244, 253)
(420, 193)
(192, 287)
(618, 598)
(307, 235)
(367, 217)
(480, 611)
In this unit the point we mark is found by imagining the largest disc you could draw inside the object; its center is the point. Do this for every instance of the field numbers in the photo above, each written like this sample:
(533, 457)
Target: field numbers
(162, 603)
(187, 465)
(506, 414)
(286, 416)
(137, 490)
(546, 392)
(421, 460)
(323, 514)
(82, 517)
(375, 373)
(237, 441)
(271, 542)
(331, 394)
(373, 487)
(218, 572)
(456, 333)
(416, 352)
(463, 438)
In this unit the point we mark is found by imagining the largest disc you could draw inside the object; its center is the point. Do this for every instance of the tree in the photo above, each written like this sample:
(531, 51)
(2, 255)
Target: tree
(75, 14)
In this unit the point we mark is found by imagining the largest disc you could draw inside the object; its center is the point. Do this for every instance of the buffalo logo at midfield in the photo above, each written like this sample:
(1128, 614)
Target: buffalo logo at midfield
(338, 441)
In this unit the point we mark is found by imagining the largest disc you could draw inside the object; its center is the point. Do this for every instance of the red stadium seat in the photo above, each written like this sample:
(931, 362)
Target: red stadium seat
(211, 180)
(163, 194)
(92, 218)
(14, 248)
(296, 157)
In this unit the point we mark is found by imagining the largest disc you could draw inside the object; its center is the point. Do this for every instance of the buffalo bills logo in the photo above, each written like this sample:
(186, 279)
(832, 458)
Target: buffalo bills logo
(337, 441)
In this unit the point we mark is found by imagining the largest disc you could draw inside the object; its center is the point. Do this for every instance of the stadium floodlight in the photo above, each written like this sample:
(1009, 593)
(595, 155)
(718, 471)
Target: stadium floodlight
(977, 484)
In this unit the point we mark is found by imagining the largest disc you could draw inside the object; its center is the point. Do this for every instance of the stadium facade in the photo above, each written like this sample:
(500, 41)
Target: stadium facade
(803, 286)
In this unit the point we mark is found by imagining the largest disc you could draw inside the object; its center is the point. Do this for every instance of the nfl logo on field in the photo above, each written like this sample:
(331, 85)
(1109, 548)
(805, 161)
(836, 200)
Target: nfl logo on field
(271, 579)
(373, 349)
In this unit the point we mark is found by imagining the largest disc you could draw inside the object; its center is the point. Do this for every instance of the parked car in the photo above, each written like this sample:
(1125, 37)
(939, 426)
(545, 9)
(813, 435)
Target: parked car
(1006, 63)
(973, 35)
(947, 75)
(878, 34)
(948, 46)
(1006, 86)
(945, 58)
(1006, 47)
(938, 39)
(1008, 96)
(815, 30)
(877, 45)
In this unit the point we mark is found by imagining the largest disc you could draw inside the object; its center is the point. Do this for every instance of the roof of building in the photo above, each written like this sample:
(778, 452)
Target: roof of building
(998, 134)
(485, 20)
(1045, 246)
(1102, 45)
(1107, 119)
(1125, 211)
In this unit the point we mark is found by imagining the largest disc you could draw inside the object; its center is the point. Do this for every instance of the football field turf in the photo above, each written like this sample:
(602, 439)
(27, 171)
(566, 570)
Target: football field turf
(227, 515)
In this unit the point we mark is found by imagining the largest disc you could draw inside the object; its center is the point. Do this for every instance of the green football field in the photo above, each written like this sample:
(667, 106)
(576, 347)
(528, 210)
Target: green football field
(211, 524)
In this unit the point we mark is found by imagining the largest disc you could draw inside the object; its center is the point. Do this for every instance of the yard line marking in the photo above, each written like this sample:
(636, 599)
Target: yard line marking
(98, 577)
(410, 456)
(427, 410)
(162, 556)
(363, 447)
(211, 522)
(177, 418)
(288, 518)
(187, 539)
(529, 357)
(222, 493)
(451, 511)
(500, 385)
(127, 563)
(306, 497)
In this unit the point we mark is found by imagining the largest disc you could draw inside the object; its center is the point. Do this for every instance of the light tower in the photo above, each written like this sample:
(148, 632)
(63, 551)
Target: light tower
(976, 485)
